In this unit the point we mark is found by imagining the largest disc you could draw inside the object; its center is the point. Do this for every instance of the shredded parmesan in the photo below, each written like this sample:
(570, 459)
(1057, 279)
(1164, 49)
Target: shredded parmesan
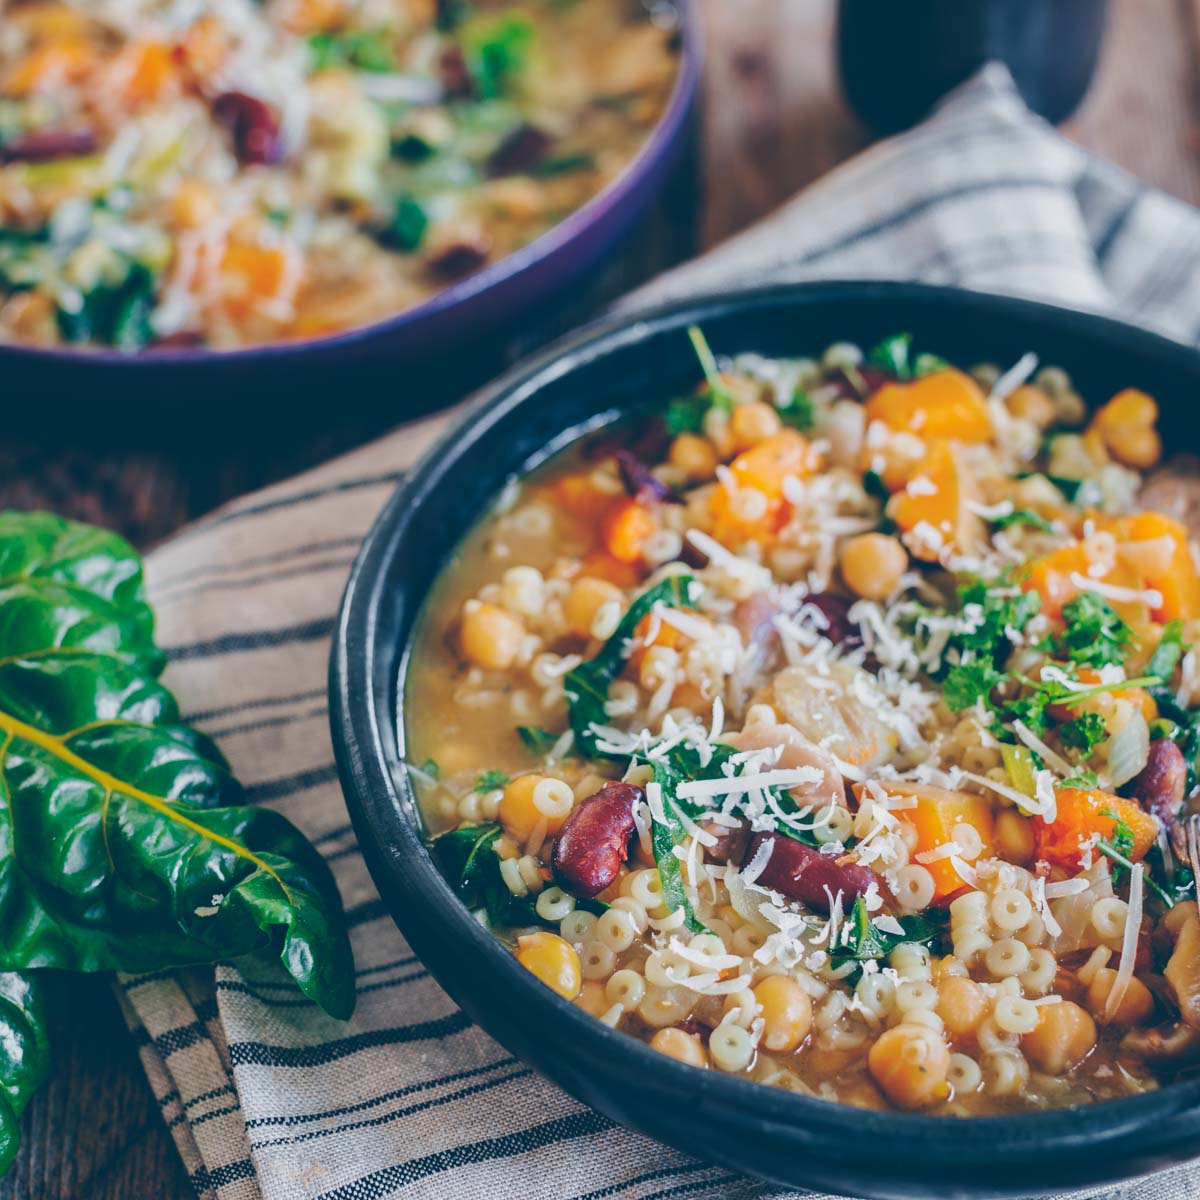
(1133, 925)
(1120, 595)
(1035, 743)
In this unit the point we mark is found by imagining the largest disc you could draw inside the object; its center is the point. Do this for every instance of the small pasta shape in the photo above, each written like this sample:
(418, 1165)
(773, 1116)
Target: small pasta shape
(1007, 957)
(554, 904)
(1038, 977)
(1010, 910)
(730, 1047)
(625, 987)
(964, 1074)
(1108, 918)
(1015, 1014)
(914, 887)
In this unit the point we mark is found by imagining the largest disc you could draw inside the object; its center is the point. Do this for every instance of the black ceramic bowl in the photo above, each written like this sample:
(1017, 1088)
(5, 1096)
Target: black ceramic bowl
(391, 350)
(588, 379)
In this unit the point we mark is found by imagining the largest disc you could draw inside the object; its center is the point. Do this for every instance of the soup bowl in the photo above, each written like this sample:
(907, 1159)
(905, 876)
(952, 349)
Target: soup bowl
(192, 381)
(587, 381)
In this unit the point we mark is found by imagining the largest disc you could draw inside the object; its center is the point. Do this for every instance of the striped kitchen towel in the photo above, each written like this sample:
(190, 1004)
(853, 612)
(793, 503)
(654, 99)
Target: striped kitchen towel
(269, 1099)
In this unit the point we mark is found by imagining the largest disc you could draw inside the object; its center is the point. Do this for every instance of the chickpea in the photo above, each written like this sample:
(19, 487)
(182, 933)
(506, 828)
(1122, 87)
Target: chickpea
(872, 564)
(786, 1012)
(1126, 426)
(1137, 448)
(910, 1064)
(1063, 1038)
(1014, 836)
(585, 599)
(1030, 403)
(694, 456)
(683, 1047)
(490, 637)
(1136, 1005)
(753, 423)
(553, 961)
(592, 998)
(519, 814)
(192, 206)
(961, 1004)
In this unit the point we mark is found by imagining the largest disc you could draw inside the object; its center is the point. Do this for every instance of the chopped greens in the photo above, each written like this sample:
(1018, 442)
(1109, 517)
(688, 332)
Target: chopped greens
(408, 224)
(496, 53)
(718, 393)
(536, 739)
(1022, 516)
(798, 412)
(362, 49)
(1084, 732)
(587, 685)
(892, 354)
(862, 941)
(1094, 635)
(488, 781)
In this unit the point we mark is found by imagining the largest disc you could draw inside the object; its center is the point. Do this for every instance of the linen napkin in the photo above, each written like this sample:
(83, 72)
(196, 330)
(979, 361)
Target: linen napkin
(269, 1099)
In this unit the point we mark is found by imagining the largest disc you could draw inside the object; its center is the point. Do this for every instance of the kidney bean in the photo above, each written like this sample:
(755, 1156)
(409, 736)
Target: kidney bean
(520, 150)
(803, 873)
(836, 611)
(49, 144)
(594, 841)
(1160, 785)
(253, 126)
(730, 844)
(458, 258)
(454, 72)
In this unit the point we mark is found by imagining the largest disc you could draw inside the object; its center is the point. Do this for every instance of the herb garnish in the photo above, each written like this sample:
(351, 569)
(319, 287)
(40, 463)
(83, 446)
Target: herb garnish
(537, 739)
(488, 781)
(1022, 516)
(1093, 635)
(718, 393)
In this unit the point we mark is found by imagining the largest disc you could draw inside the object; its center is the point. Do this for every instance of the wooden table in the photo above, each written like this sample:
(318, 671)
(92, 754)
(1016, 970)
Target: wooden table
(773, 121)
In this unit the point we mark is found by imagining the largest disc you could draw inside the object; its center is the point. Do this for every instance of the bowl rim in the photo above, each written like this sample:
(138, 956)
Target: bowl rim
(376, 800)
(558, 238)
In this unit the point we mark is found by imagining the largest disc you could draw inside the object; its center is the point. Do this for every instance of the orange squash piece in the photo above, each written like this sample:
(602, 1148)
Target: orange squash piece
(252, 274)
(1157, 548)
(626, 529)
(931, 510)
(49, 66)
(944, 404)
(143, 72)
(936, 814)
(1084, 815)
(1051, 576)
(600, 564)
(762, 469)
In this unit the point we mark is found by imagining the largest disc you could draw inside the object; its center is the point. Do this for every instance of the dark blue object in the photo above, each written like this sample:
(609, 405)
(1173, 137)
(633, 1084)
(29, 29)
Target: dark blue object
(492, 301)
(590, 378)
(899, 57)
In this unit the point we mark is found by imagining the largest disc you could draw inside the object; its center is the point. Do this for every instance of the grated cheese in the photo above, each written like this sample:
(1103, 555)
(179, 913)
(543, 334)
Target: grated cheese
(1036, 744)
(1119, 595)
(1133, 926)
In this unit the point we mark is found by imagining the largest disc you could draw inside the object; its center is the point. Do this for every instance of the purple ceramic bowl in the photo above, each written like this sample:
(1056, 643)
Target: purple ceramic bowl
(497, 295)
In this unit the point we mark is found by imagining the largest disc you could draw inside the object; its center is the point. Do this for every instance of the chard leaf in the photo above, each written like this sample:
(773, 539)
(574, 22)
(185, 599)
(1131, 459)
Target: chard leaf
(587, 685)
(1168, 652)
(862, 941)
(892, 354)
(24, 1053)
(537, 739)
(120, 840)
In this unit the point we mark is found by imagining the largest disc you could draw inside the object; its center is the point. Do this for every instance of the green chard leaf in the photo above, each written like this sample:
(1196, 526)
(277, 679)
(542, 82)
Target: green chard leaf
(24, 1052)
(121, 841)
(861, 941)
(892, 354)
(798, 412)
(1168, 652)
(587, 685)
(685, 414)
(536, 739)
(490, 780)
(1022, 516)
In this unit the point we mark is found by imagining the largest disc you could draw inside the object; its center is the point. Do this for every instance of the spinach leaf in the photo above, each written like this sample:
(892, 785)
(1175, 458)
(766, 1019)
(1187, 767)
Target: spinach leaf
(113, 313)
(24, 1053)
(537, 739)
(685, 414)
(118, 845)
(1022, 516)
(496, 53)
(892, 354)
(468, 859)
(490, 780)
(587, 685)
(861, 941)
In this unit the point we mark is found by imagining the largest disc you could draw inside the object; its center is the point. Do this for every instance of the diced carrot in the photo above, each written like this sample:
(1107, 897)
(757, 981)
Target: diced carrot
(626, 529)
(143, 72)
(935, 815)
(784, 455)
(1083, 816)
(252, 274)
(944, 404)
(739, 515)
(931, 510)
(602, 565)
(50, 66)
(1157, 548)
(1052, 576)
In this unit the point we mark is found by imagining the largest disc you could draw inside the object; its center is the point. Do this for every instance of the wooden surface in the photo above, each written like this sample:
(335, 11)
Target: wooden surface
(773, 121)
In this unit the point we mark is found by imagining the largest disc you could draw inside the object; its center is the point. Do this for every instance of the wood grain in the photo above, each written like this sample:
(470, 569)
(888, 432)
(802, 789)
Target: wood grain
(773, 120)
